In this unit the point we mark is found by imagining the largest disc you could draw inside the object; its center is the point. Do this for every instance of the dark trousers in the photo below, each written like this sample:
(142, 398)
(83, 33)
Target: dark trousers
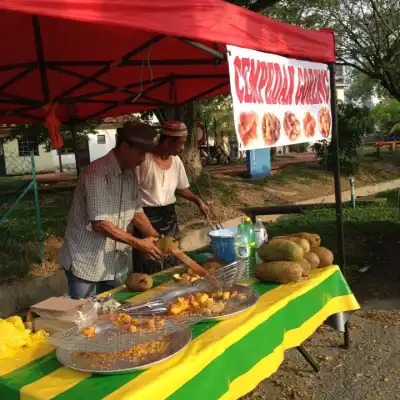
(165, 222)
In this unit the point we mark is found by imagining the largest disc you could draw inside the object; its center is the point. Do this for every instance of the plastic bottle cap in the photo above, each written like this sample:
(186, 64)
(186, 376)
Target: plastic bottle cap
(247, 219)
(240, 226)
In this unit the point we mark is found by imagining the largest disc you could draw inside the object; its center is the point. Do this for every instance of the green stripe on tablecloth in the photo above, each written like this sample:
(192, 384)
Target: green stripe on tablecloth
(11, 383)
(100, 386)
(213, 381)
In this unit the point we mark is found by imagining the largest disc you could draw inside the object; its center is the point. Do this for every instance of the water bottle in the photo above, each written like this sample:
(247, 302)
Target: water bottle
(241, 243)
(260, 233)
(248, 228)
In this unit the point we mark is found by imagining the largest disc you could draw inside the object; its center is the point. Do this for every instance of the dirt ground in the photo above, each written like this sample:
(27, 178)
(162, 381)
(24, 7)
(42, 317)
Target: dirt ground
(370, 369)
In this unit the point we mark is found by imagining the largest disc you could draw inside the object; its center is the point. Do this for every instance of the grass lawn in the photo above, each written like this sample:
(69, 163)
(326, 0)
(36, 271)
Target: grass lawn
(19, 249)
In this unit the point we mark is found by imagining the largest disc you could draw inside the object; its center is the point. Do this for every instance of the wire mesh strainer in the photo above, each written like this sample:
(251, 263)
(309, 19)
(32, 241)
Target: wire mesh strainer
(227, 275)
(112, 338)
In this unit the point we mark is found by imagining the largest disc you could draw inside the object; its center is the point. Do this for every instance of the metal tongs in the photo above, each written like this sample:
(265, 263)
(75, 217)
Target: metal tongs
(152, 307)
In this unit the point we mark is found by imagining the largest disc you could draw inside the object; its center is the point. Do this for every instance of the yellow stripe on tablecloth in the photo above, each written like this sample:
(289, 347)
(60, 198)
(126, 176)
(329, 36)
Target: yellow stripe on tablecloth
(53, 384)
(24, 357)
(293, 338)
(169, 376)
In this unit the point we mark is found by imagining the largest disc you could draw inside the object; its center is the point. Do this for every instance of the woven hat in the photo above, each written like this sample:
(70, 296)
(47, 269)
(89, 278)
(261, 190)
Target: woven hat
(139, 134)
(174, 128)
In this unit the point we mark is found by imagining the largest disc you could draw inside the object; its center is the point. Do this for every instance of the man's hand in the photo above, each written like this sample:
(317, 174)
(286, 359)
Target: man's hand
(204, 208)
(148, 247)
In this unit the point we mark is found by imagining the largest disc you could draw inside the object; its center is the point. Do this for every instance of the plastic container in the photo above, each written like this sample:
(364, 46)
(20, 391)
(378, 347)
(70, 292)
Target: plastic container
(260, 232)
(223, 244)
(242, 245)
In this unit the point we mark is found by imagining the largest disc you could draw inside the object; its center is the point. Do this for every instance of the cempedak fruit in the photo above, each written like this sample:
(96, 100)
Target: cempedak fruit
(313, 238)
(279, 272)
(313, 259)
(280, 250)
(139, 282)
(306, 265)
(167, 243)
(325, 256)
(303, 243)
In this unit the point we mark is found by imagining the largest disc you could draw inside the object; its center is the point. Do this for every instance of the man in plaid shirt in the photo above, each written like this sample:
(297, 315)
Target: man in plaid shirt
(106, 200)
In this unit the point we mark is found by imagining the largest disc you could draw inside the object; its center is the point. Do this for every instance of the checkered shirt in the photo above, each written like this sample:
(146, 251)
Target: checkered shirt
(103, 192)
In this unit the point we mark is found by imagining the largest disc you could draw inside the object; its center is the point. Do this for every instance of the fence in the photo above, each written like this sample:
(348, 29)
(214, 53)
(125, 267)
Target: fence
(21, 232)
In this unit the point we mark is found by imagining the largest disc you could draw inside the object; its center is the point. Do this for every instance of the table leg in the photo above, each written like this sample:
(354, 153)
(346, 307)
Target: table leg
(308, 357)
(347, 340)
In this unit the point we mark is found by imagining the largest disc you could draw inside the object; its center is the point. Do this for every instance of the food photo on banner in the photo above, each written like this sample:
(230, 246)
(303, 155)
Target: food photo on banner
(278, 101)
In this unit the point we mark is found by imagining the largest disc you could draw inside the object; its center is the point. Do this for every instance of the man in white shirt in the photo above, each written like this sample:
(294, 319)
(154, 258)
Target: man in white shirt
(95, 252)
(161, 176)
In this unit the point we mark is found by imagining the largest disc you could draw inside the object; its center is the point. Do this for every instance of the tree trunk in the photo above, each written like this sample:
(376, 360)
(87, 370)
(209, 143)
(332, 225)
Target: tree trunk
(188, 113)
(60, 161)
(191, 156)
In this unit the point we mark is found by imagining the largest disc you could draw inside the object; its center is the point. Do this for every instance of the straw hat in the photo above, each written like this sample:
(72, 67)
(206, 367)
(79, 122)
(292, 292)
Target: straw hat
(139, 134)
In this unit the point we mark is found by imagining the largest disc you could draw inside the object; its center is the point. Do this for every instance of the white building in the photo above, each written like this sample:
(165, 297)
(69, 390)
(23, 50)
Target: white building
(343, 81)
(15, 154)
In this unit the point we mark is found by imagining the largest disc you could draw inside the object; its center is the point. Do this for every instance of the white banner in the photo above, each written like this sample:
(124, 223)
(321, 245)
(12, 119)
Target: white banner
(278, 101)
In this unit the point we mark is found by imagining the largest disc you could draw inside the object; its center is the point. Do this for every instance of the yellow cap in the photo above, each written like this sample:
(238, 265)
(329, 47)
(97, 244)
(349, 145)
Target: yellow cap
(247, 219)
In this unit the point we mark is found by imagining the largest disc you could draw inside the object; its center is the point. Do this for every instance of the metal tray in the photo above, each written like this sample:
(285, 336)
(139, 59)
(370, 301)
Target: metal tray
(176, 342)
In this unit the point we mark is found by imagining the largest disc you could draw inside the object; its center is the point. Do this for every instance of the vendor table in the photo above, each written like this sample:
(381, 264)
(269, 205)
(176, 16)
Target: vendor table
(225, 360)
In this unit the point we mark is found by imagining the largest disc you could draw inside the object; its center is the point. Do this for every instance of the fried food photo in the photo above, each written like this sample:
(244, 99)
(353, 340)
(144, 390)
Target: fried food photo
(291, 126)
(247, 128)
(309, 125)
(271, 128)
(324, 122)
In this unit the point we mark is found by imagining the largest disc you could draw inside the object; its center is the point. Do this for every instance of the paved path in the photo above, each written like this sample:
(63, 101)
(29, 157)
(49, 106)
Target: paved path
(278, 164)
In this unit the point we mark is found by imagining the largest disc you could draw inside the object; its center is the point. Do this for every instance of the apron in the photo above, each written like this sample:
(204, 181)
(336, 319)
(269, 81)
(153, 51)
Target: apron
(165, 222)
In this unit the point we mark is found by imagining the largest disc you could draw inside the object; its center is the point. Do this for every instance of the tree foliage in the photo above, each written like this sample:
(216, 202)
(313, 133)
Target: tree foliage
(220, 109)
(369, 39)
(364, 90)
(353, 123)
(254, 5)
(386, 115)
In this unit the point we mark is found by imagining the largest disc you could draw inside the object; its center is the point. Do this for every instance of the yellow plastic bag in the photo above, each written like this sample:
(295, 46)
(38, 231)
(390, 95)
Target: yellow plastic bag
(14, 336)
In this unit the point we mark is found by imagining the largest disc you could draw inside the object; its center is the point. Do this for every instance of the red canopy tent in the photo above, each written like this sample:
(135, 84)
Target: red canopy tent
(100, 58)
(104, 58)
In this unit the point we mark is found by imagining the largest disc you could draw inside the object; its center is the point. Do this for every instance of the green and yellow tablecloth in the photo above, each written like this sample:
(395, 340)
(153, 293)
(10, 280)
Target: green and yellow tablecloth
(225, 360)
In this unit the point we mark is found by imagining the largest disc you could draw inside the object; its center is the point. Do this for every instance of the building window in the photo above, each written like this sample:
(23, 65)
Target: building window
(26, 146)
(101, 139)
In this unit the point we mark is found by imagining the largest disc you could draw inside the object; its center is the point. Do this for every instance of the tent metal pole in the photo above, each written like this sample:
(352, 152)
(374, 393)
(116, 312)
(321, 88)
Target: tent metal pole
(338, 189)
(336, 171)
(205, 48)
(40, 59)
(75, 146)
